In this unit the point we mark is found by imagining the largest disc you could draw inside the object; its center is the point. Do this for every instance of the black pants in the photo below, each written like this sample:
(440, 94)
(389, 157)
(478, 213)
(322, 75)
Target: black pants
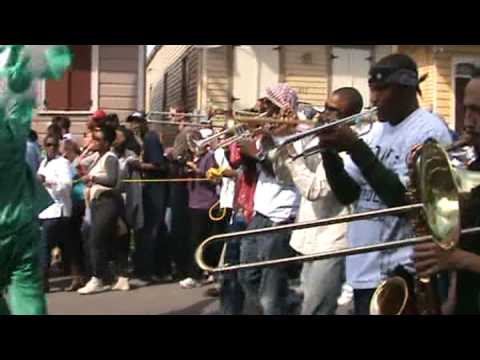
(105, 216)
(179, 233)
(148, 244)
(74, 250)
(361, 300)
(201, 227)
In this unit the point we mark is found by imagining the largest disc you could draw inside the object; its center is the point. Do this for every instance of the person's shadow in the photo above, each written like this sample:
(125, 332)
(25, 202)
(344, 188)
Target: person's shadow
(195, 309)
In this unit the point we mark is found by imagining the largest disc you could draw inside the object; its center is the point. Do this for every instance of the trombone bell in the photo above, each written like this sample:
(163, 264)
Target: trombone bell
(390, 298)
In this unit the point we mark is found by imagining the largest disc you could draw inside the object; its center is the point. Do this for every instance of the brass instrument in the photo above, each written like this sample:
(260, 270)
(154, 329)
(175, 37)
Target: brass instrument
(175, 123)
(362, 122)
(440, 189)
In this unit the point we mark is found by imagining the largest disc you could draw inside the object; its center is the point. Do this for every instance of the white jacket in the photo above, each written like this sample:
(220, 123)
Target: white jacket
(318, 202)
(59, 173)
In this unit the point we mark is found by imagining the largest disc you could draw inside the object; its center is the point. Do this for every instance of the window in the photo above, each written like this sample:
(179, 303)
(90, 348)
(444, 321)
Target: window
(165, 92)
(75, 91)
(463, 70)
(185, 80)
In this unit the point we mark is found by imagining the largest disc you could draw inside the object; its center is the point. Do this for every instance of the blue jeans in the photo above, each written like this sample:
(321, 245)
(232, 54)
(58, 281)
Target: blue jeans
(232, 296)
(322, 286)
(267, 287)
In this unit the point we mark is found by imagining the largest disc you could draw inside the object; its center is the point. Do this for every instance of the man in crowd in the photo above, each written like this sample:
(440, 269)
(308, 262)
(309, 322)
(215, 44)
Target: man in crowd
(153, 166)
(374, 176)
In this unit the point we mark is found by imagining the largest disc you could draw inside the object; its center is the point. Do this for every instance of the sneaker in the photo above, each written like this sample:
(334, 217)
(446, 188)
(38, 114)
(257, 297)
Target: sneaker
(122, 284)
(94, 286)
(208, 281)
(347, 296)
(189, 283)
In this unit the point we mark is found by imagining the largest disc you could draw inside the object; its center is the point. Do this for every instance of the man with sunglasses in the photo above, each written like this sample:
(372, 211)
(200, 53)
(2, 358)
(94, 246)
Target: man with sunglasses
(321, 280)
(55, 175)
(375, 175)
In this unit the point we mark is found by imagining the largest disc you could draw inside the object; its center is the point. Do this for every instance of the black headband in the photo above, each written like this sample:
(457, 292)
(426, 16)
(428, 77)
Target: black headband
(385, 75)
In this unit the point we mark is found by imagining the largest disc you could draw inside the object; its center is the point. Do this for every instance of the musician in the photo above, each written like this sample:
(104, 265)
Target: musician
(275, 203)
(375, 174)
(321, 280)
(153, 165)
(202, 196)
(465, 259)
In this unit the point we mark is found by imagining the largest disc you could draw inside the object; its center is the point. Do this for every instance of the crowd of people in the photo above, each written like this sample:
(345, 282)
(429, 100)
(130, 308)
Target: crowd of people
(126, 206)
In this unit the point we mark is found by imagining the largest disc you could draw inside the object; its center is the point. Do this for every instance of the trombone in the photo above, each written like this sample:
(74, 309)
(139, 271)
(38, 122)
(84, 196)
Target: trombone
(440, 188)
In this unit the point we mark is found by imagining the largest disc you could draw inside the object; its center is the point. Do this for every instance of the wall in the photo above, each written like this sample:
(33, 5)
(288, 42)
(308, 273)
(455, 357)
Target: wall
(117, 86)
(306, 69)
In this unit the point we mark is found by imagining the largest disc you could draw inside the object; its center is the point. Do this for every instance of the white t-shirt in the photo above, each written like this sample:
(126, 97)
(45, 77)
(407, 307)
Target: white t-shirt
(59, 172)
(277, 202)
(227, 193)
(392, 145)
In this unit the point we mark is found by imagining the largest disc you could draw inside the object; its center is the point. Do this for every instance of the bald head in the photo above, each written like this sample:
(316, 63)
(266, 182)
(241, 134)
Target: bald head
(351, 100)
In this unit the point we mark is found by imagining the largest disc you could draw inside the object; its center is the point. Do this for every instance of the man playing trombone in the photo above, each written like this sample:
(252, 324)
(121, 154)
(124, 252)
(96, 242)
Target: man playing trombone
(321, 280)
(430, 259)
(375, 175)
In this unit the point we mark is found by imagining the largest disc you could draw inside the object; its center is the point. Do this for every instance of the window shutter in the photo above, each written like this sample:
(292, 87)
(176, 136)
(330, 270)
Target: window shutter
(73, 91)
(80, 79)
(56, 93)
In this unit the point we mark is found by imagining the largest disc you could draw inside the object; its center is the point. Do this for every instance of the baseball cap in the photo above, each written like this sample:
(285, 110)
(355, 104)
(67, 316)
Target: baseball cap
(99, 115)
(137, 115)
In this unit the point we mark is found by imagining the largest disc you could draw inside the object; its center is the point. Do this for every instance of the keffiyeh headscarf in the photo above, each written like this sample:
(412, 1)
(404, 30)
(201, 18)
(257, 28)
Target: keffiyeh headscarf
(283, 95)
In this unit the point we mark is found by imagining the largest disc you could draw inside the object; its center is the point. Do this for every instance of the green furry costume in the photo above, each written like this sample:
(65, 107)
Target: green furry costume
(21, 197)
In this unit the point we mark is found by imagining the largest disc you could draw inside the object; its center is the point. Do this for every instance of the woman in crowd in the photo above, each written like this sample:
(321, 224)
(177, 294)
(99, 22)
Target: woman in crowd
(132, 197)
(105, 205)
(74, 242)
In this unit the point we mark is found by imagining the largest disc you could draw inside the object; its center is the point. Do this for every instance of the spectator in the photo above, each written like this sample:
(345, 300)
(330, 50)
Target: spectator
(33, 154)
(74, 241)
(55, 175)
(105, 204)
(64, 123)
(152, 166)
(132, 196)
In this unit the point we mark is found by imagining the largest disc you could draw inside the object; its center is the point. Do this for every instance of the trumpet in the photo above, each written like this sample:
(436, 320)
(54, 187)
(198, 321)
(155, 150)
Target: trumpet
(360, 121)
(237, 130)
(189, 124)
(440, 188)
(170, 114)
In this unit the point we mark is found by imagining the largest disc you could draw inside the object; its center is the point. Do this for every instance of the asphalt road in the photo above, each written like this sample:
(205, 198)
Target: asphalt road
(166, 299)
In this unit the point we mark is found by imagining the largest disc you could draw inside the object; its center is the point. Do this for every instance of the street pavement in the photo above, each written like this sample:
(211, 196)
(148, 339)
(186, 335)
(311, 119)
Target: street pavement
(165, 299)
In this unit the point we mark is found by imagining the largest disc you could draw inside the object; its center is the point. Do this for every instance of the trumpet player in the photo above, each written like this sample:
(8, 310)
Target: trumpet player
(429, 258)
(274, 203)
(375, 174)
(321, 280)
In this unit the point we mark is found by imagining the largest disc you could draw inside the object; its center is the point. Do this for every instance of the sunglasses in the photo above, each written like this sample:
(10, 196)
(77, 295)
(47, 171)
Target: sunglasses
(48, 145)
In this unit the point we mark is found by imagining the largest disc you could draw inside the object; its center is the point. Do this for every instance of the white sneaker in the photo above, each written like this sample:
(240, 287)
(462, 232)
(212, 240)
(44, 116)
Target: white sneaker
(347, 296)
(189, 283)
(122, 285)
(94, 286)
